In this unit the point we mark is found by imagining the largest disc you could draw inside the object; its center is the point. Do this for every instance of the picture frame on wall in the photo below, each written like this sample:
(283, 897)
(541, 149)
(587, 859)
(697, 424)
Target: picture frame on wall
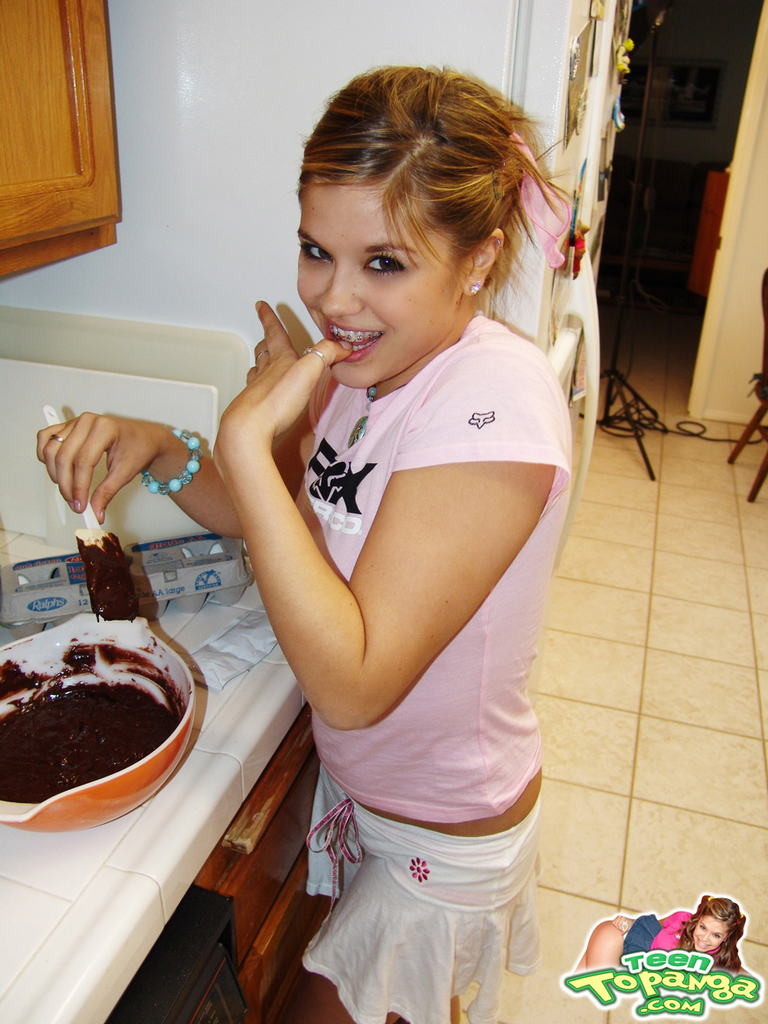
(683, 93)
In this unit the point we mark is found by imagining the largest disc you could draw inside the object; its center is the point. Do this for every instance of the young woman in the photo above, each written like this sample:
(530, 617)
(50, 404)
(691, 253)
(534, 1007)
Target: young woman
(715, 927)
(406, 582)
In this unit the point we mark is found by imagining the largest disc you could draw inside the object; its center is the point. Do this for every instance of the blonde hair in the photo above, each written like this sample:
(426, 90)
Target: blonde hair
(439, 146)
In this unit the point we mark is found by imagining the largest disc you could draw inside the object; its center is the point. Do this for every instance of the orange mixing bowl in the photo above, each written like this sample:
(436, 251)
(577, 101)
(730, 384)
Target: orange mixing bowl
(113, 795)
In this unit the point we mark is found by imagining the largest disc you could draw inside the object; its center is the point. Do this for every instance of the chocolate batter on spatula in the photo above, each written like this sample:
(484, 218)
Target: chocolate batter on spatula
(107, 576)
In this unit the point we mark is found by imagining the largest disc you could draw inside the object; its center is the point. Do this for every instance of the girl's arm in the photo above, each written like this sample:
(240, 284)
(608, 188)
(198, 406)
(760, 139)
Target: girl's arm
(132, 445)
(442, 538)
(675, 922)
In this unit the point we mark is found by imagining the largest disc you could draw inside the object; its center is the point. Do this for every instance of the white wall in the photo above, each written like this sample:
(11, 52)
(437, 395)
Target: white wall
(731, 344)
(212, 103)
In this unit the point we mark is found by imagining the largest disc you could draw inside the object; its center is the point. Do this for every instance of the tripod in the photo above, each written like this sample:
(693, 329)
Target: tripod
(632, 415)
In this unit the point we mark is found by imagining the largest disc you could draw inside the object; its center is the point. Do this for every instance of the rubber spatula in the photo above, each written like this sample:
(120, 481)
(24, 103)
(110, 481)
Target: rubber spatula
(107, 576)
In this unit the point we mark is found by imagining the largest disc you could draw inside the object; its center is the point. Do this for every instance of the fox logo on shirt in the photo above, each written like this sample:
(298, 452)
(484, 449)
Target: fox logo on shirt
(481, 419)
(336, 484)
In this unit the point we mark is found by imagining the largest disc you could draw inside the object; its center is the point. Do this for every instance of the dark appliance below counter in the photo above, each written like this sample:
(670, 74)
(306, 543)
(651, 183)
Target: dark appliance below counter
(188, 976)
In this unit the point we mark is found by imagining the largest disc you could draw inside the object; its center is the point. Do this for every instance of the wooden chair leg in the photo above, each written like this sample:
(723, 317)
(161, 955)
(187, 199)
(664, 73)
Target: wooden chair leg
(750, 428)
(757, 483)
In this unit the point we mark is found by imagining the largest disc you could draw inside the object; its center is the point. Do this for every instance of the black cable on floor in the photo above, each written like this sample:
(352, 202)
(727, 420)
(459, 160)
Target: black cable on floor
(682, 428)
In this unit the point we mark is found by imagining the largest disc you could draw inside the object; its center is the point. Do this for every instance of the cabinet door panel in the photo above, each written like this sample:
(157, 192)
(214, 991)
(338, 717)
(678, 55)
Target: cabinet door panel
(269, 972)
(38, 124)
(274, 787)
(57, 157)
(262, 864)
(254, 880)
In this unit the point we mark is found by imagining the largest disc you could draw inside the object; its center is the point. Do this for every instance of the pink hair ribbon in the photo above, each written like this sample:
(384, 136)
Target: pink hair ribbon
(331, 834)
(549, 221)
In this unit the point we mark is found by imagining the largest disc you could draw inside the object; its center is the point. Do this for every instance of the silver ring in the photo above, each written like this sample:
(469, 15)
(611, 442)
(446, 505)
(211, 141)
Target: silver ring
(315, 352)
(56, 437)
(263, 352)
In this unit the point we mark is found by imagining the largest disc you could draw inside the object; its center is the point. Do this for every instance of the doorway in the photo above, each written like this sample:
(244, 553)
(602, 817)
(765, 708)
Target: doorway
(703, 53)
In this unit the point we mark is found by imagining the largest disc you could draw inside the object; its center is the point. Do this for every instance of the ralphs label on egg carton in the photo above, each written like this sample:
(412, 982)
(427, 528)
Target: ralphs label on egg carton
(42, 590)
(185, 570)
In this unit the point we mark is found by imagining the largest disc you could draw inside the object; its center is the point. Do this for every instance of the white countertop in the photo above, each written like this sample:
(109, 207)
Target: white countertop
(82, 909)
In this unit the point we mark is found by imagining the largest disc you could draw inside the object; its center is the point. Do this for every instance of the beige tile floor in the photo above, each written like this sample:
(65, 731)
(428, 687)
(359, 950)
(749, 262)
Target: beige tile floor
(652, 690)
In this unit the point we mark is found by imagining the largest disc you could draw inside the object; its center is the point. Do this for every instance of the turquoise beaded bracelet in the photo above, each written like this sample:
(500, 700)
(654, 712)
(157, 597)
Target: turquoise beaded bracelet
(186, 476)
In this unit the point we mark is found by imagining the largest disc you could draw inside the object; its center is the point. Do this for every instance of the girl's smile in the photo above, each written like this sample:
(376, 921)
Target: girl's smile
(386, 300)
(708, 933)
(359, 341)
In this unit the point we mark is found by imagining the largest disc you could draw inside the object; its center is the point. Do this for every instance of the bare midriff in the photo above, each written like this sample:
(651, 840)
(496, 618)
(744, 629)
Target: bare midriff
(514, 814)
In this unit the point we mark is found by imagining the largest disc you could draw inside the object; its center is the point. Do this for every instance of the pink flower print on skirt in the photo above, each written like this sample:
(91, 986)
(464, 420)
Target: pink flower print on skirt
(419, 869)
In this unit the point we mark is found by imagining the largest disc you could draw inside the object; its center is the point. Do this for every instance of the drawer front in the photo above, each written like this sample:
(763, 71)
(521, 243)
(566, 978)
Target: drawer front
(254, 880)
(269, 972)
(260, 846)
(265, 799)
(261, 863)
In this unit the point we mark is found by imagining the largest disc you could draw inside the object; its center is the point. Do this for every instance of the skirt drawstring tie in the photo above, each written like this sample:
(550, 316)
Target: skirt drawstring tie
(336, 834)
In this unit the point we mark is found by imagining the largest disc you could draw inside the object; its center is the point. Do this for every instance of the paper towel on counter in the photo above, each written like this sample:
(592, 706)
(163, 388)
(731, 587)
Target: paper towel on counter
(236, 647)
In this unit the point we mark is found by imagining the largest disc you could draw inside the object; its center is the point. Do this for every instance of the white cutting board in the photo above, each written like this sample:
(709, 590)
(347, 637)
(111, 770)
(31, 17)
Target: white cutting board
(29, 502)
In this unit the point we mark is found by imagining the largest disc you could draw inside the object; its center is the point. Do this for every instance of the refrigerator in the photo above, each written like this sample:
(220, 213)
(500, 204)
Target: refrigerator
(565, 74)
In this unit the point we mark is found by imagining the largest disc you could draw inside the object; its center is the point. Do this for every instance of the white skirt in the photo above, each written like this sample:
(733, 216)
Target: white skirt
(422, 914)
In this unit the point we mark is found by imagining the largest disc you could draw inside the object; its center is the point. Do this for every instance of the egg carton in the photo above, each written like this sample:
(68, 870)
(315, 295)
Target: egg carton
(183, 571)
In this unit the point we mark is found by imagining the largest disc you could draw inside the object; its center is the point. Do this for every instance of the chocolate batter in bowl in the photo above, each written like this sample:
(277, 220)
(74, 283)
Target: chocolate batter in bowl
(94, 717)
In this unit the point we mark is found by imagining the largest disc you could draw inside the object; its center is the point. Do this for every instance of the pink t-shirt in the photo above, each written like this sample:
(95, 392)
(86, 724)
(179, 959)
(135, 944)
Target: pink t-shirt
(671, 932)
(464, 741)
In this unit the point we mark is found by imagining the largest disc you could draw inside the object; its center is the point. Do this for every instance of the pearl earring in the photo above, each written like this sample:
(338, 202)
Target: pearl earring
(475, 288)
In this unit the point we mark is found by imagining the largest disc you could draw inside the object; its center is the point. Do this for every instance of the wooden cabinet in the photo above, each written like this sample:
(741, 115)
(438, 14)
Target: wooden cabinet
(58, 166)
(261, 863)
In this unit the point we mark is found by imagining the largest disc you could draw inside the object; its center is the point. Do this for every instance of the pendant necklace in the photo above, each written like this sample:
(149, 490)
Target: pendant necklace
(358, 431)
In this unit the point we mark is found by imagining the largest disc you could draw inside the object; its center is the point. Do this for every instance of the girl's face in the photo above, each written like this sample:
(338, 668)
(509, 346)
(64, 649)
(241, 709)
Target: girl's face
(709, 933)
(393, 305)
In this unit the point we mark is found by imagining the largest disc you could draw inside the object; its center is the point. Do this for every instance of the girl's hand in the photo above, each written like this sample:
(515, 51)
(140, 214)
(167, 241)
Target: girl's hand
(622, 923)
(278, 389)
(72, 450)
